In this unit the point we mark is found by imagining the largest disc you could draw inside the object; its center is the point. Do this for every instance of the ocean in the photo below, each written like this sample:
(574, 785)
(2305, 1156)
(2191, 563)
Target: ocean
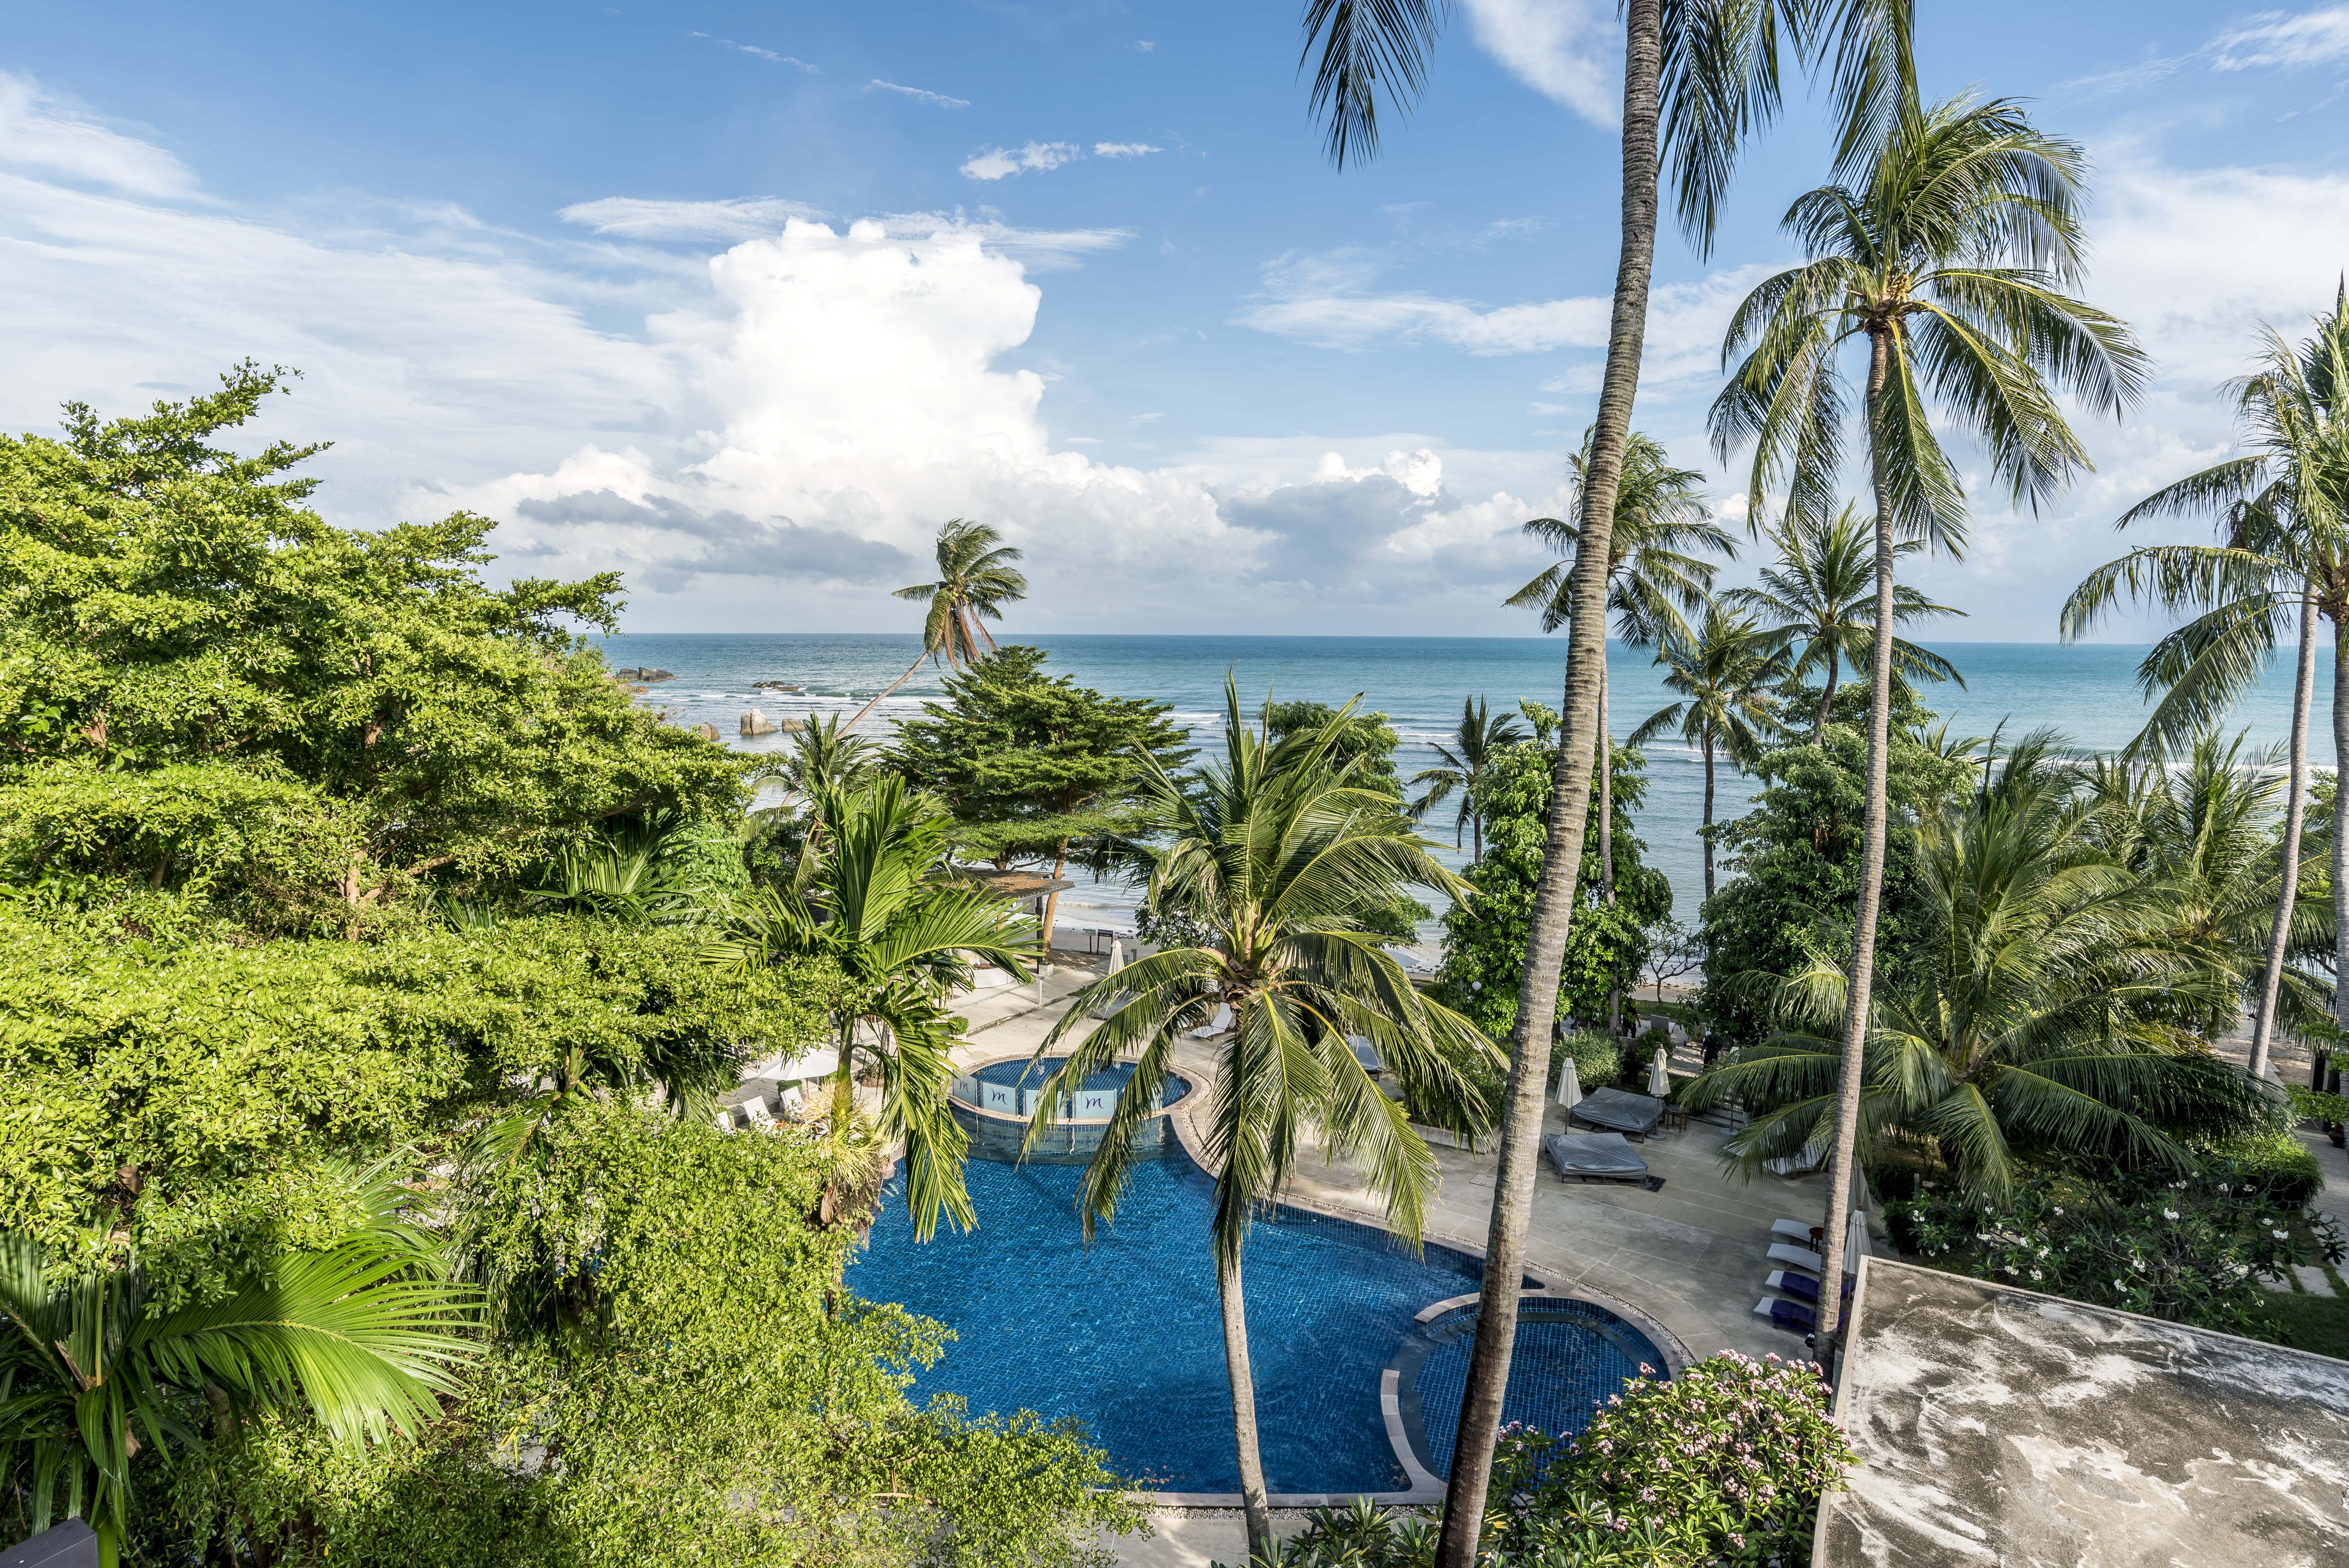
(2088, 693)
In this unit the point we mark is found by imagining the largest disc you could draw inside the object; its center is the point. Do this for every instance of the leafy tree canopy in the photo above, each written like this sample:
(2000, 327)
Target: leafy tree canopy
(204, 684)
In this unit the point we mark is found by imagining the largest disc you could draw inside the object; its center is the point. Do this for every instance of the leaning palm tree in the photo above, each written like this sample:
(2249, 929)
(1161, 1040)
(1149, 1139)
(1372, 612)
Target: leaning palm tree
(2282, 511)
(1946, 257)
(1276, 854)
(1653, 580)
(1725, 674)
(881, 907)
(1697, 81)
(1819, 599)
(2040, 1018)
(976, 581)
(1474, 744)
(362, 1336)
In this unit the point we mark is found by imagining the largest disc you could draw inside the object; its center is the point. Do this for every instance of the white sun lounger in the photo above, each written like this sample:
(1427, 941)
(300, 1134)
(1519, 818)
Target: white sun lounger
(1214, 1027)
(725, 1119)
(1796, 1231)
(755, 1112)
(1795, 1257)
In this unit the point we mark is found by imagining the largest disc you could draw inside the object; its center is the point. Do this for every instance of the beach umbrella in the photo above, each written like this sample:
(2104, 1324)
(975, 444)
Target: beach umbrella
(1116, 954)
(1569, 1087)
(1113, 1000)
(1660, 1080)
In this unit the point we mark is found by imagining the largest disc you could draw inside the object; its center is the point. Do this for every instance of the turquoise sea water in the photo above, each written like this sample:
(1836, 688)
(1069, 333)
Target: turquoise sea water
(2088, 693)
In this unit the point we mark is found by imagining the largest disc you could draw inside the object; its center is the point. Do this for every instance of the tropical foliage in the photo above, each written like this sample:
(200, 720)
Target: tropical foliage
(1274, 852)
(1724, 672)
(1460, 763)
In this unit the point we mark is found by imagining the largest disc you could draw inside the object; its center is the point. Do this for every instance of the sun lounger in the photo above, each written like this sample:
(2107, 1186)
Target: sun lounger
(1795, 1257)
(1786, 1314)
(1792, 1165)
(1595, 1157)
(1802, 1286)
(725, 1119)
(1366, 1053)
(1214, 1027)
(1802, 1233)
(755, 1112)
(1619, 1110)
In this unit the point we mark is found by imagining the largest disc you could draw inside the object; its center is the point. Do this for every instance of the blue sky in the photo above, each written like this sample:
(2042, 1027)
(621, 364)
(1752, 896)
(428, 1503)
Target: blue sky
(743, 300)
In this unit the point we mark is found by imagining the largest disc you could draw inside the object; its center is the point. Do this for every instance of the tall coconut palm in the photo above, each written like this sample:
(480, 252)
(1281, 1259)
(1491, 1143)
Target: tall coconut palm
(362, 1335)
(1653, 580)
(881, 906)
(1946, 257)
(976, 581)
(1698, 80)
(2040, 1017)
(1819, 598)
(2282, 511)
(1474, 744)
(1277, 854)
(1724, 672)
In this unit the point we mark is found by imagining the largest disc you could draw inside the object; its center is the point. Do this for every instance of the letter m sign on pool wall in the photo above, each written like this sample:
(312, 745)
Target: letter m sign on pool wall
(1001, 1097)
(1095, 1105)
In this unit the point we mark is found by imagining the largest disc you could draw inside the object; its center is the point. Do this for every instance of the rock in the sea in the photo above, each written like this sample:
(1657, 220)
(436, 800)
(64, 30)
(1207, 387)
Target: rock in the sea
(647, 672)
(708, 731)
(756, 723)
(776, 685)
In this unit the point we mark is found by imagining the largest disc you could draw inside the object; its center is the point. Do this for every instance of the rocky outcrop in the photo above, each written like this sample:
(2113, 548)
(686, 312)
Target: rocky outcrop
(707, 732)
(776, 685)
(756, 723)
(645, 673)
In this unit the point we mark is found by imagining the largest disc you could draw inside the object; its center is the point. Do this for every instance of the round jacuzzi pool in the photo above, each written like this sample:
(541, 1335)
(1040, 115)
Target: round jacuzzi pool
(1570, 1355)
(996, 1101)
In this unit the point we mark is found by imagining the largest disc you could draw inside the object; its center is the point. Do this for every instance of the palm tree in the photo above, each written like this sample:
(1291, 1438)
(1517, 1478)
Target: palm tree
(2283, 561)
(1652, 582)
(1724, 674)
(881, 907)
(1479, 736)
(1692, 94)
(1946, 256)
(1276, 854)
(362, 1335)
(976, 580)
(638, 874)
(1820, 598)
(2042, 1017)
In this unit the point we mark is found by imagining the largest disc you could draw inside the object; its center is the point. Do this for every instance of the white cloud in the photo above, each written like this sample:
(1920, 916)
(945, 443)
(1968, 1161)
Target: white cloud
(1569, 51)
(919, 95)
(44, 134)
(641, 218)
(1144, 46)
(1124, 150)
(754, 49)
(995, 162)
(2281, 38)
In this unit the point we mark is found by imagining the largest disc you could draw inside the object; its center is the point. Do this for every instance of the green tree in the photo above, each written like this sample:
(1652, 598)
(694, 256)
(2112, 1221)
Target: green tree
(1274, 852)
(203, 685)
(360, 1337)
(2284, 515)
(1946, 252)
(976, 581)
(1820, 598)
(1796, 855)
(881, 907)
(2040, 1016)
(1723, 672)
(1698, 80)
(1460, 763)
(1484, 935)
(1032, 764)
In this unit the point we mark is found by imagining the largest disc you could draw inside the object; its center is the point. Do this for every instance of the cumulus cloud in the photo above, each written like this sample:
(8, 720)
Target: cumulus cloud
(1124, 150)
(2283, 39)
(1569, 51)
(919, 95)
(996, 162)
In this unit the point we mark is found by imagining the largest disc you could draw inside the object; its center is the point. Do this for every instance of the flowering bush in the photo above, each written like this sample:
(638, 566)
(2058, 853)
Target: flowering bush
(1723, 1465)
(2192, 1249)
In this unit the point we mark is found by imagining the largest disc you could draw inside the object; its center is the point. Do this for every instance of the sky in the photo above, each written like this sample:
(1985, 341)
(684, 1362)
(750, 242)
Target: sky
(744, 300)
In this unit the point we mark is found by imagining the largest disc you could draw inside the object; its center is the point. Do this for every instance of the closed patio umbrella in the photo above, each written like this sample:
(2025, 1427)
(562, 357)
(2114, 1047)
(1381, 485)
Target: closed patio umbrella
(1660, 1079)
(1569, 1087)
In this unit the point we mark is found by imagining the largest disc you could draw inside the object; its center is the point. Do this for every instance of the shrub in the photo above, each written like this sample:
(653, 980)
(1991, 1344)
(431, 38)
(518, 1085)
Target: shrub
(2275, 1164)
(1725, 1464)
(2191, 1250)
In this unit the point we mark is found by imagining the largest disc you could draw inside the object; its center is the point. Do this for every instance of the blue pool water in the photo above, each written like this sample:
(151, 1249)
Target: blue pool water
(1127, 1336)
(1569, 1356)
(1021, 1072)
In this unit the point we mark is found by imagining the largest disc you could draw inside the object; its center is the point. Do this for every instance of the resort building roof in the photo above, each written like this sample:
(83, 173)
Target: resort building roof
(2000, 1425)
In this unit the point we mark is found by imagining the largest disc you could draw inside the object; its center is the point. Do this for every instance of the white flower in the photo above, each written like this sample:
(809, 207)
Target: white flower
(2280, 1236)
(2170, 1214)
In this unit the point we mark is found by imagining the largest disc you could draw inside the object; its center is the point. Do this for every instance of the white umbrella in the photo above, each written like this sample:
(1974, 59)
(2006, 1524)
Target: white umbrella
(1116, 955)
(1660, 1080)
(1569, 1087)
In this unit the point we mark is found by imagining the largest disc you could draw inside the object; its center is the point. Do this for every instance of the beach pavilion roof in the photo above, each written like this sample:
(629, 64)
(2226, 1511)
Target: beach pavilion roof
(2000, 1427)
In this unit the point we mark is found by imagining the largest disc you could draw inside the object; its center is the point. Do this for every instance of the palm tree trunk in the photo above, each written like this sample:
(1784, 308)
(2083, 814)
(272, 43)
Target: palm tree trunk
(1835, 670)
(2340, 821)
(1235, 1364)
(1708, 830)
(885, 691)
(1052, 899)
(1871, 880)
(1607, 824)
(1554, 898)
(844, 1080)
(2295, 812)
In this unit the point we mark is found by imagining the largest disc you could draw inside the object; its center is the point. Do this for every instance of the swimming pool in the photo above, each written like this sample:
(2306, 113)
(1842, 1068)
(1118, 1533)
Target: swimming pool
(1127, 1336)
(995, 1101)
